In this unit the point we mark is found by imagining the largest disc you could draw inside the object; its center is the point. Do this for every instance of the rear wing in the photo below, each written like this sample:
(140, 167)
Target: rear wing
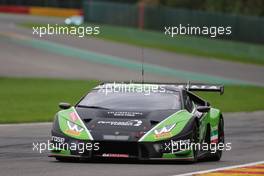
(202, 87)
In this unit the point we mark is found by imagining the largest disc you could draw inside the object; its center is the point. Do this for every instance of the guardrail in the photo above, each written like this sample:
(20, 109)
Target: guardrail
(244, 28)
(42, 11)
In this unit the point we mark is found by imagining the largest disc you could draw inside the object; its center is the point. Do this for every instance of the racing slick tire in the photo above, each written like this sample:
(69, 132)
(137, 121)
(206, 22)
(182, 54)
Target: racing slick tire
(66, 159)
(195, 140)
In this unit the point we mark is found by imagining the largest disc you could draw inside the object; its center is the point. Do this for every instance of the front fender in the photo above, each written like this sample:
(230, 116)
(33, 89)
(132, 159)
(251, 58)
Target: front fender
(71, 125)
(169, 127)
(214, 117)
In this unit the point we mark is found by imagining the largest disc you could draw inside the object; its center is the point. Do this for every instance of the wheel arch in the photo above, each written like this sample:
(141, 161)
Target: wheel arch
(214, 117)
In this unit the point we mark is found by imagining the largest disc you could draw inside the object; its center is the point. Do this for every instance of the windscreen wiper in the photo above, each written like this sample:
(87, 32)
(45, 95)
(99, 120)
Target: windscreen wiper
(94, 107)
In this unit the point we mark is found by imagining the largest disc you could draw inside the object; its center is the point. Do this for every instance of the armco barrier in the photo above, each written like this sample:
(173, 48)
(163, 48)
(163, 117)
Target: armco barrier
(48, 11)
(14, 9)
(74, 4)
(42, 11)
(111, 13)
(244, 28)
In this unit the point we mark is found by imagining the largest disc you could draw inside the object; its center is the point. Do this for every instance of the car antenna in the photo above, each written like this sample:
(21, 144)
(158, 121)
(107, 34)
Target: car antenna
(142, 66)
(188, 85)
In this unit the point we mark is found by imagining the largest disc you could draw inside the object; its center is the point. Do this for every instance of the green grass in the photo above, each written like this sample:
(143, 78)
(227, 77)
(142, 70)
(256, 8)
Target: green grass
(197, 46)
(36, 100)
(237, 98)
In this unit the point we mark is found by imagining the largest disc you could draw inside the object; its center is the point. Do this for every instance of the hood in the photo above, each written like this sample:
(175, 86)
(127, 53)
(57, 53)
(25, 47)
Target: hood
(120, 125)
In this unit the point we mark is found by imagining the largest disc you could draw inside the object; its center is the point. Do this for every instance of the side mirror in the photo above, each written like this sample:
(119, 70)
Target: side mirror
(203, 109)
(207, 103)
(64, 105)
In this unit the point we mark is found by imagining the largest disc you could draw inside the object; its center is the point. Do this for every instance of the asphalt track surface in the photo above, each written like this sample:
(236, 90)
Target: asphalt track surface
(19, 58)
(244, 130)
(95, 58)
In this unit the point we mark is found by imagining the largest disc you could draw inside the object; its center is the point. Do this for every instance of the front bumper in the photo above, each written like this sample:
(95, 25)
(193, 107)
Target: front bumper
(161, 150)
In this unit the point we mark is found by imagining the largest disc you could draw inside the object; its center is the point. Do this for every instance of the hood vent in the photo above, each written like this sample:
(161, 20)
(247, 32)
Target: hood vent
(87, 120)
(154, 123)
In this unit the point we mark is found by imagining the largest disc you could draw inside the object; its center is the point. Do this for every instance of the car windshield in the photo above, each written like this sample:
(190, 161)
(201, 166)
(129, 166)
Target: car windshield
(131, 101)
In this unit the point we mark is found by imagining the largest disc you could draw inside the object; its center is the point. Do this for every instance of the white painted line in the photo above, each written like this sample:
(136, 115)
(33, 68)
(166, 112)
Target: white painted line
(26, 124)
(222, 168)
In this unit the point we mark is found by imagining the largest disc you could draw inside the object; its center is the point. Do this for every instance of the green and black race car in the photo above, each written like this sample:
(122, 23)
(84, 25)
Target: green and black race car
(144, 121)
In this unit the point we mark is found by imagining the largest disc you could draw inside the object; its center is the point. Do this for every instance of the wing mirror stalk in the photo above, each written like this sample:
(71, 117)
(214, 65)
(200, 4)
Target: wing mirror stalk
(203, 109)
(64, 105)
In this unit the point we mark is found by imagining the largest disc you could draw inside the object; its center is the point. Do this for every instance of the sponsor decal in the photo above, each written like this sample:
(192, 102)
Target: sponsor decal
(163, 135)
(73, 116)
(74, 133)
(73, 129)
(123, 113)
(214, 135)
(164, 132)
(57, 139)
(209, 87)
(124, 123)
(114, 137)
(115, 155)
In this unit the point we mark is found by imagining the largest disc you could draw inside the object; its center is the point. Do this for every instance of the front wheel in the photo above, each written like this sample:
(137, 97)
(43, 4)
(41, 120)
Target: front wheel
(195, 140)
(66, 159)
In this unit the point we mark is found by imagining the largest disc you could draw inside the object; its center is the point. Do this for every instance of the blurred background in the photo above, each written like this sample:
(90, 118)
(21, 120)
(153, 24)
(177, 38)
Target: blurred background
(46, 70)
